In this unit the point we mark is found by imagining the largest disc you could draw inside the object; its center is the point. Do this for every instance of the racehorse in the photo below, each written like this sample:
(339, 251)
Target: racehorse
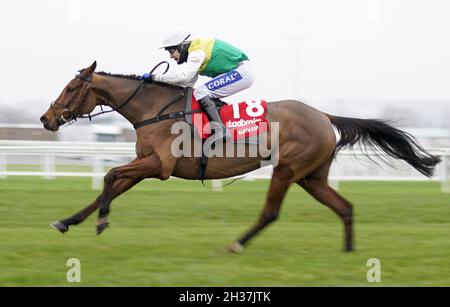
(307, 146)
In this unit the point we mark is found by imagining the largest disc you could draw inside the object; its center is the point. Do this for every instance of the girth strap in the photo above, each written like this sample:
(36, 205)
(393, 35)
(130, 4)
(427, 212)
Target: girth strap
(203, 165)
(173, 115)
(159, 118)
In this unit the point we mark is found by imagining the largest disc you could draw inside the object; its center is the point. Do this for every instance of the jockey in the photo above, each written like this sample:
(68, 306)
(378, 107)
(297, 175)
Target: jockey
(229, 68)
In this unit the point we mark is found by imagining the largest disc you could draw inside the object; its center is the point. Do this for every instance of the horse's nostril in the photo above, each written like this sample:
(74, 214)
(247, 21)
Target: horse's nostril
(44, 119)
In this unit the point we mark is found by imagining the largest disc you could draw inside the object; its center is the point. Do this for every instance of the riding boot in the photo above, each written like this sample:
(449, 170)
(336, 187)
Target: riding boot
(220, 131)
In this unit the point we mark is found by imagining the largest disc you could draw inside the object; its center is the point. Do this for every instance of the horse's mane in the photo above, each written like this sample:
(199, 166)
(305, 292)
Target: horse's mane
(136, 78)
(130, 77)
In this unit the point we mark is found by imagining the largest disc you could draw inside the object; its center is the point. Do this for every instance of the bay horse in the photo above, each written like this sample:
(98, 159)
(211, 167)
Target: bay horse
(307, 147)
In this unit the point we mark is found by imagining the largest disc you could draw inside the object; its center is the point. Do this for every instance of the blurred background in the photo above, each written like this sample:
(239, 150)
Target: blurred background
(354, 58)
(369, 59)
(362, 58)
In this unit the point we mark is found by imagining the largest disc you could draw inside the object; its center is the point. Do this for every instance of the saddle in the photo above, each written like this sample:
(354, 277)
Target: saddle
(244, 120)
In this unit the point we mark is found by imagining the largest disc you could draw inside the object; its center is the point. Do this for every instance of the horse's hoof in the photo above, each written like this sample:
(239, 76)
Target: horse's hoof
(102, 224)
(59, 226)
(235, 248)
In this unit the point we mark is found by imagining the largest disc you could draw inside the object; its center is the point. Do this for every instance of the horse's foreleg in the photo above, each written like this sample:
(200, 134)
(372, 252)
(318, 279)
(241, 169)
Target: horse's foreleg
(120, 186)
(281, 180)
(137, 170)
(117, 181)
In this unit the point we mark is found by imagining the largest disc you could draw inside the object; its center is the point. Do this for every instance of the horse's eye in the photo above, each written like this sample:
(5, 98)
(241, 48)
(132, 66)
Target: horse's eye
(69, 89)
(66, 114)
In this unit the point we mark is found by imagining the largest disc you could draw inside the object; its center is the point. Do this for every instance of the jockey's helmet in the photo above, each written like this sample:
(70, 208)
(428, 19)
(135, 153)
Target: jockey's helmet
(176, 37)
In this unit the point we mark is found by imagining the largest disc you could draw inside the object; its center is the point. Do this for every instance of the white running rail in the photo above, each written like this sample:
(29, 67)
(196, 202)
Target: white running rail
(96, 156)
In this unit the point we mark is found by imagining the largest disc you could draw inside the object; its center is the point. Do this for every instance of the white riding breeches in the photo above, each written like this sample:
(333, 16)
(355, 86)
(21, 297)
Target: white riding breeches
(228, 83)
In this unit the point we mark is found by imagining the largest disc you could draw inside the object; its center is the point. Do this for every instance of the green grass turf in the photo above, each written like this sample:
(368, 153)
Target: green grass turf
(173, 234)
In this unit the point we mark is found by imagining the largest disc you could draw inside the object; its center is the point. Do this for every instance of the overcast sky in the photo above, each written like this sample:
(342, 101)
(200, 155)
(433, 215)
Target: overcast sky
(319, 51)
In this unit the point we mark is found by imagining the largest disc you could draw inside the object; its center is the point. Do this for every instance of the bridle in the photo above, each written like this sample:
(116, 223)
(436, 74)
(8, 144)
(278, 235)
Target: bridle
(68, 115)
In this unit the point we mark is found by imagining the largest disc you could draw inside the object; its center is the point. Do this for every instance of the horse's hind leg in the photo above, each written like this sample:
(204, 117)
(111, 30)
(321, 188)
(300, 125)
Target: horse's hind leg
(281, 180)
(316, 184)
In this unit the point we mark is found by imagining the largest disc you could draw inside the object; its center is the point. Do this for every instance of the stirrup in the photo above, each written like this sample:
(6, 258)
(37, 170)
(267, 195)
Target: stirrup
(220, 132)
(217, 138)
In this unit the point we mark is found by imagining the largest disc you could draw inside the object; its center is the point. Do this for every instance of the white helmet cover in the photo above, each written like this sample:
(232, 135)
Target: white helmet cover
(175, 37)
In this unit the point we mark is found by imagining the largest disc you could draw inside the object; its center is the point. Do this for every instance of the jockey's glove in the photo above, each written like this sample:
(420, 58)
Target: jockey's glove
(147, 77)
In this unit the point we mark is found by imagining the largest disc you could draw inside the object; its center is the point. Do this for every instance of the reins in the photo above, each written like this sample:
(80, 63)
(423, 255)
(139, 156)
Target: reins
(159, 117)
(89, 116)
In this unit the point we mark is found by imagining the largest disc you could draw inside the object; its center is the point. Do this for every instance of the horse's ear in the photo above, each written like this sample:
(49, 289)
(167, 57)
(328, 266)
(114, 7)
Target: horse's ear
(93, 66)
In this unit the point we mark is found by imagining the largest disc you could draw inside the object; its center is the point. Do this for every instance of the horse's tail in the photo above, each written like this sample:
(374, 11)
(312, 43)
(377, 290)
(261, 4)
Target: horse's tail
(373, 134)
